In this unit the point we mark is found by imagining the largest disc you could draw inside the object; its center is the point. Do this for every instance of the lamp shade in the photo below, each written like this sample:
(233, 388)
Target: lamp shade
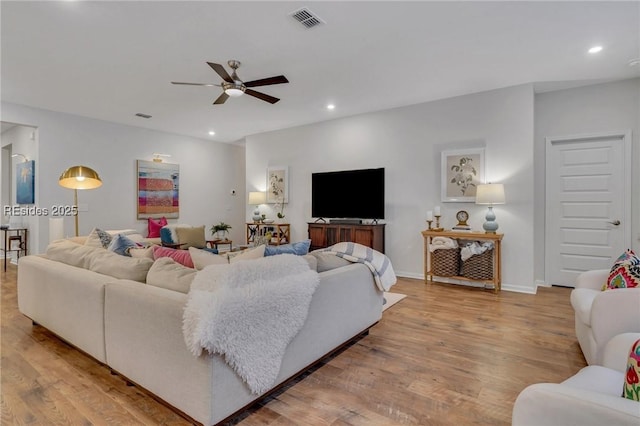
(256, 198)
(490, 193)
(80, 177)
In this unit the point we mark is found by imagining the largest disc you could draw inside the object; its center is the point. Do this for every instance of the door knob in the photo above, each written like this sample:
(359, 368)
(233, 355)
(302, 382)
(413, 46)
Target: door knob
(615, 222)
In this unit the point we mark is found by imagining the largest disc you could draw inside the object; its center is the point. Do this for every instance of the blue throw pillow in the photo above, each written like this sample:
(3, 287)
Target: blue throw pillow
(300, 248)
(121, 244)
(210, 250)
(165, 236)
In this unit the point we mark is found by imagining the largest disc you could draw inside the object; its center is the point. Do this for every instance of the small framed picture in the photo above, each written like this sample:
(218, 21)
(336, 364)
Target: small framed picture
(461, 172)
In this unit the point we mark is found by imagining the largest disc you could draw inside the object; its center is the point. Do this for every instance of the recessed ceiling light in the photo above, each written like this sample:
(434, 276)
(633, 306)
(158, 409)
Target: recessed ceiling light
(595, 49)
(211, 133)
(331, 106)
(634, 62)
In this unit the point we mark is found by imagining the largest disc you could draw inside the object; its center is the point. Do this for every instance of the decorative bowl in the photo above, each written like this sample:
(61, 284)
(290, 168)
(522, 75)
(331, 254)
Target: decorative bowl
(267, 221)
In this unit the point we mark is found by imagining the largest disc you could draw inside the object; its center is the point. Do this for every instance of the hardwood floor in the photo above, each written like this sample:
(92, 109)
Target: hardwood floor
(445, 355)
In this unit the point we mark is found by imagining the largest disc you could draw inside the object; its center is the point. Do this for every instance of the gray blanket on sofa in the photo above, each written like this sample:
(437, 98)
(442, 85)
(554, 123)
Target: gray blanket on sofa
(248, 312)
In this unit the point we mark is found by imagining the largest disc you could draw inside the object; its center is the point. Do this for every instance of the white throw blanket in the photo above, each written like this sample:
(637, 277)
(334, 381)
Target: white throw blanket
(378, 263)
(442, 243)
(474, 248)
(248, 312)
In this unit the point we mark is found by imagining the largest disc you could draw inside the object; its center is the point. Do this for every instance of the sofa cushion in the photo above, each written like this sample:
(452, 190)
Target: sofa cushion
(202, 258)
(631, 388)
(71, 253)
(98, 238)
(327, 261)
(169, 274)
(146, 252)
(300, 248)
(597, 378)
(581, 301)
(181, 256)
(191, 237)
(123, 267)
(98, 260)
(248, 254)
(154, 226)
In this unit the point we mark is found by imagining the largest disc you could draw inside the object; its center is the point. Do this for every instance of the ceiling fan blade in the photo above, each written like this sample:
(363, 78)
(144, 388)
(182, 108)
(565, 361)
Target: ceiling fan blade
(262, 96)
(221, 72)
(278, 79)
(195, 84)
(221, 99)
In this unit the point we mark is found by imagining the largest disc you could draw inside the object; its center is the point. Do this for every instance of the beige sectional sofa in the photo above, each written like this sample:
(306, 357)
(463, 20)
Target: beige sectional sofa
(101, 304)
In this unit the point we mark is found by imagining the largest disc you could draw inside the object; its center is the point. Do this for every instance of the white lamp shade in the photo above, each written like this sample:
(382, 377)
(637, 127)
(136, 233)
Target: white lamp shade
(56, 228)
(256, 198)
(490, 193)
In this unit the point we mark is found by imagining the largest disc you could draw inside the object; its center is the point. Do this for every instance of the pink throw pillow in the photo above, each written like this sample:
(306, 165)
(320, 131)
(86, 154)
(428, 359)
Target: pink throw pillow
(155, 225)
(181, 256)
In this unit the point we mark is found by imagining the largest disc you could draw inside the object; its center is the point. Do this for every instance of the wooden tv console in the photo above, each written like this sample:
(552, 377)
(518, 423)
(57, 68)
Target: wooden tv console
(327, 234)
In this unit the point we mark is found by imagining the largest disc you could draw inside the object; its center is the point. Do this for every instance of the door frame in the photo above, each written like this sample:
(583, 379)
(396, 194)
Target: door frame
(624, 137)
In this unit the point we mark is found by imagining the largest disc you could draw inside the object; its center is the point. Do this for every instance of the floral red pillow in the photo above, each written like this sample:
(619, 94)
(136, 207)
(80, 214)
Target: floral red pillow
(155, 225)
(631, 388)
(625, 272)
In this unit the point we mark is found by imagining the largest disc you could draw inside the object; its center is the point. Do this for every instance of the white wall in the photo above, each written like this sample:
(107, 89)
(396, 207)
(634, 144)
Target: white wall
(407, 142)
(208, 171)
(597, 108)
(19, 140)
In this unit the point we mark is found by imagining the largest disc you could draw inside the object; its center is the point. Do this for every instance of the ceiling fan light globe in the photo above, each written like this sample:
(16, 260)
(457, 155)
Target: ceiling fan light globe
(233, 92)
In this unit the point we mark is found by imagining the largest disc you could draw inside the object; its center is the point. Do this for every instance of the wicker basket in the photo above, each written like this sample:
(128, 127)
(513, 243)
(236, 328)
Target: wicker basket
(445, 262)
(478, 266)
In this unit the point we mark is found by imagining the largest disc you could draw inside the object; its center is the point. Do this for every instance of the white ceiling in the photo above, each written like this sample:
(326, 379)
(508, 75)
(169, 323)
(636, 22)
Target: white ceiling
(111, 60)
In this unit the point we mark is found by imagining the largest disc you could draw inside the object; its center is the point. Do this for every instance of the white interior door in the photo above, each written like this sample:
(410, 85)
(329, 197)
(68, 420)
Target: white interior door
(588, 204)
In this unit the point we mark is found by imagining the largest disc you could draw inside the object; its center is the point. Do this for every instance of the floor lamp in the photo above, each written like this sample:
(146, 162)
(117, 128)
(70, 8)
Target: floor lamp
(79, 177)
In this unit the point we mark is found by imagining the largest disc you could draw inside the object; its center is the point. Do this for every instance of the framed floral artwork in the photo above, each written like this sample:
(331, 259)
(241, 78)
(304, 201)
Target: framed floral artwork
(461, 172)
(278, 185)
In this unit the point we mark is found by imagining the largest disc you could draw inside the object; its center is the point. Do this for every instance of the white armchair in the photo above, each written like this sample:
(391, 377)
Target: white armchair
(601, 315)
(591, 397)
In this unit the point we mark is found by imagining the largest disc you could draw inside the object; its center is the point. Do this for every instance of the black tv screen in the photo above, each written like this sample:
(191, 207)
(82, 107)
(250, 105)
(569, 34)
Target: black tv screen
(357, 194)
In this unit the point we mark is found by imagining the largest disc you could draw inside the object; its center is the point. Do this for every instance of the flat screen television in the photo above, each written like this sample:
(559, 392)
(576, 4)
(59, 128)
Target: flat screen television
(353, 194)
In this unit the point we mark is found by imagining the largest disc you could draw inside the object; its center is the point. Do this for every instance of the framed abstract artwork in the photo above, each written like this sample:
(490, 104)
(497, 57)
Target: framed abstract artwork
(25, 182)
(158, 190)
(461, 172)
(278, 184)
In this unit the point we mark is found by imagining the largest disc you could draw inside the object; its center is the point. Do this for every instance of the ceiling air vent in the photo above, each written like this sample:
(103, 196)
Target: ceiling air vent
(143, 115)
(307, 17)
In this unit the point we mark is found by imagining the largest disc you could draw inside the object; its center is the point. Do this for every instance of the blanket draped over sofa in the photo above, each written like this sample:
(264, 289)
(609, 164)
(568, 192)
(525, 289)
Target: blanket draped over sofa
(378, 263)
(248, 312)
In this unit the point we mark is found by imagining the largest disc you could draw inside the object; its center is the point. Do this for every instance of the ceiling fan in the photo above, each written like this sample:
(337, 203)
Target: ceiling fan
(234, 87)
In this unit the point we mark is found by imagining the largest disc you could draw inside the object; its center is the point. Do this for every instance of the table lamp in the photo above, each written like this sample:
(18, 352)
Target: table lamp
(79, 177)
(255, 199)
(490, 194)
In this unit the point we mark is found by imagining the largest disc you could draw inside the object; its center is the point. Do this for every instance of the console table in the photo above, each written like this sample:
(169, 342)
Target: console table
(327, 234)
(280, 232)
(471, 236)
(11, 235)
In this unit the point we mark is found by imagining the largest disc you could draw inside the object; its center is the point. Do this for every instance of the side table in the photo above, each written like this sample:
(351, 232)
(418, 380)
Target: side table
(11, 235)
(215, 243)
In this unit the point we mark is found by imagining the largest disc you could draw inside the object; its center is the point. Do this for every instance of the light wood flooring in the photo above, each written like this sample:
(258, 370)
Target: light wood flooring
(445, 355)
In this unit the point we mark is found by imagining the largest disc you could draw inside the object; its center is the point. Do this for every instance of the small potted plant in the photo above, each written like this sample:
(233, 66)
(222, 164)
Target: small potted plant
(221, 230)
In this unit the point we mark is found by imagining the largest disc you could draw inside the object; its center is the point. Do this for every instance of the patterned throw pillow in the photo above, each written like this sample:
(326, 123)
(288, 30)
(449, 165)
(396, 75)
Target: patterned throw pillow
(625, 272)
(155, 225)
(98, 238)
(631, 388)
